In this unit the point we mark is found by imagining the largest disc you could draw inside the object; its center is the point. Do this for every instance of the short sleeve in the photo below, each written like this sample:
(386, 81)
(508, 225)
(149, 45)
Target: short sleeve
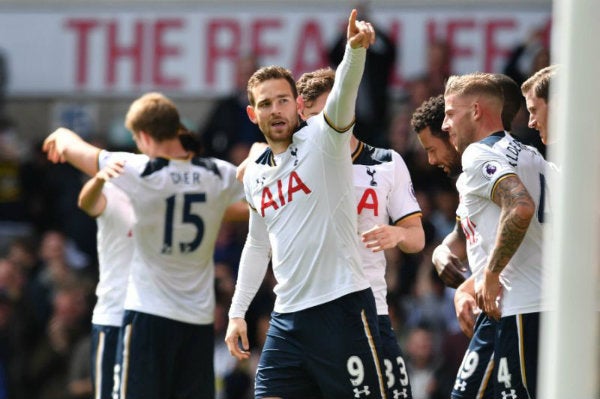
(483, 168)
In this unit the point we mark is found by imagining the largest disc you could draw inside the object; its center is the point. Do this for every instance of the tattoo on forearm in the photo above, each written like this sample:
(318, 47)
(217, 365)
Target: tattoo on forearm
(513, 198)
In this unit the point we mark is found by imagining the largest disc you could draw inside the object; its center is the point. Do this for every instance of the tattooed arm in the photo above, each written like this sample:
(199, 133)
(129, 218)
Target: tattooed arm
(517, 210)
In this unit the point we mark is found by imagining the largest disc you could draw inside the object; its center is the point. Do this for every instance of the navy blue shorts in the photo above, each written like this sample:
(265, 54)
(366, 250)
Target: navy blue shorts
(104, 353)
(163, 358)
(327, 351)
(394, 367)
(474, 377)
(516, 356)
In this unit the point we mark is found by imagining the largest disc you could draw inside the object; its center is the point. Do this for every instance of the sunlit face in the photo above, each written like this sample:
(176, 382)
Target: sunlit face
(312, 108)
(538, 114)
(275, 111)
(458, 121)
(440, 152)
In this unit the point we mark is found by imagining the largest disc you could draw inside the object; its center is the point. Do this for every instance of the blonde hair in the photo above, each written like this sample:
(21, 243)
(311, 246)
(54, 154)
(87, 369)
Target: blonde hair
(476, 84)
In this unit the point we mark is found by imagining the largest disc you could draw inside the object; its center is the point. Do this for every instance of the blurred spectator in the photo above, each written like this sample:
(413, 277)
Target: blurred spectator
(17, 332)
(223, 361)
(431, 304)
(528, 57)
(418, 90)
(228, 124)
(63, 183)
(4, 76)
(6, 313)
(239, 384)
(422, 362)
(432, 80)
(229, 244)
(373, 101)
(438, 66)
(55, 271)
(69, 322)
(80, 371)
(15, 220)
(444, 215)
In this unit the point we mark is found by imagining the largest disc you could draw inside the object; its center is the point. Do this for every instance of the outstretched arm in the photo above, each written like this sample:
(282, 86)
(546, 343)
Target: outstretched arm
(517, 210)
(64, 145)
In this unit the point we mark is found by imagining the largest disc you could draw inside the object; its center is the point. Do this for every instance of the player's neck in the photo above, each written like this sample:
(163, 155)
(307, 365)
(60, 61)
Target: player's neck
(278, 147)
(353, 143)
(488, 127)
(171, 149)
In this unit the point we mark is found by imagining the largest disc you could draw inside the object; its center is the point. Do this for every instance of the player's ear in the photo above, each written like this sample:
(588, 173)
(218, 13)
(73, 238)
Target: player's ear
(476, 110)
(251, 113)
(144, 137)
(300, 105)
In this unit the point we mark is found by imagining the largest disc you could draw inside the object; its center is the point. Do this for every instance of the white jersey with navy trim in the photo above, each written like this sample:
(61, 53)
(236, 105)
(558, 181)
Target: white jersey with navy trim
(485, 163)
(384, 195)
(115, 250)
(178, 205)
(315, 174)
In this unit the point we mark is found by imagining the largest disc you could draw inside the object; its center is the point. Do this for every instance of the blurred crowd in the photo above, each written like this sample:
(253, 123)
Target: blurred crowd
(48, 256)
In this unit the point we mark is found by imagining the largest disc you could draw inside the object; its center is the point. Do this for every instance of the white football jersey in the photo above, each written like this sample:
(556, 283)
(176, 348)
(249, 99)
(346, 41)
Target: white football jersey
(384, 195)
(115, 250)
(314, 243)
(178, 205)
(485, 163)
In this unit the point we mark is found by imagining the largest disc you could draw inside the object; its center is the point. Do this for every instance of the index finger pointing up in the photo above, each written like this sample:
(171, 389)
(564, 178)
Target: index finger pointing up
(352, 18)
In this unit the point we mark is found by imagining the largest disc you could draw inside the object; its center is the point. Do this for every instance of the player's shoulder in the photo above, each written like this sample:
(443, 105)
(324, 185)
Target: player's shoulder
(218, 167)
(482, 150)
(365, 154)
(135, 164)
(128, 157)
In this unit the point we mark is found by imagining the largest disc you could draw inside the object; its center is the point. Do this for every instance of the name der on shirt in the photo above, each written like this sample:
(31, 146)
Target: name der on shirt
(185, 177)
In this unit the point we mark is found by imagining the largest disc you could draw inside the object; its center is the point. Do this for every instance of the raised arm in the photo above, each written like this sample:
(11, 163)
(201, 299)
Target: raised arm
(517, 210)
(64, 145)
(341, 103)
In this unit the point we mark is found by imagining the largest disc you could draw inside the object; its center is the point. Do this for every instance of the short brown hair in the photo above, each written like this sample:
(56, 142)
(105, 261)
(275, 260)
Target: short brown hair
(513, 99)
(311, 85)
(477, 83)
(539, 82)
(154, 114)
(268, 73)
